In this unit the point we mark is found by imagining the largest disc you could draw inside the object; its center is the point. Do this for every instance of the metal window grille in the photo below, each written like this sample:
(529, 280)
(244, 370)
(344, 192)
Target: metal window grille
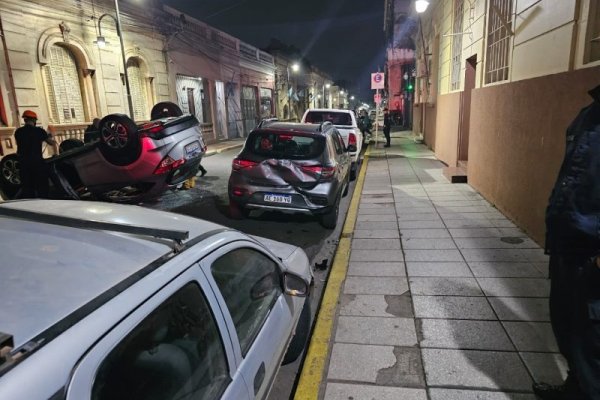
(137, 86)
(592, 47)
(457, 30)
(498, 40)
(63, 87)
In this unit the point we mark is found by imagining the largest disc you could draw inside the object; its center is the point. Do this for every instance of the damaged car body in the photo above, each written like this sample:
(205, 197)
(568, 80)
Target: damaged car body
(291, 167)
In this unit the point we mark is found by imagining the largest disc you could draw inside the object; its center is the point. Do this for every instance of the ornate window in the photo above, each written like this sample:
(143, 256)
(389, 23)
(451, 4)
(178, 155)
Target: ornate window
(592, 44)
(138, 85)
(499, 32)
(63, 86)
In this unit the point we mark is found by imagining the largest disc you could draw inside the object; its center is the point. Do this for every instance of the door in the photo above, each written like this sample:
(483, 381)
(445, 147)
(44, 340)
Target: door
(248, 286)
(221, 116)
(191, 100)
(174, 345)
(234, 116)
(249, 108)
(465, 110)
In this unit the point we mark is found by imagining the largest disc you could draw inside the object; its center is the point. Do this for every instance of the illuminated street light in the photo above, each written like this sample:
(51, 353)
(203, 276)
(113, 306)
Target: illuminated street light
(421, 6)
(295, 67)
(351, 97)
(101, 43)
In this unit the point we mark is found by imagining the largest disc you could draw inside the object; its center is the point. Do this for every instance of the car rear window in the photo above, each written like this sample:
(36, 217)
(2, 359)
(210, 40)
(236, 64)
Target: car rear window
(336, 118)
(284, 145)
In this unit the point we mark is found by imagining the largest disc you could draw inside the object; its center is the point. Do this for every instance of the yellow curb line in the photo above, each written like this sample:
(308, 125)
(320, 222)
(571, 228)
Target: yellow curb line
(314, 363)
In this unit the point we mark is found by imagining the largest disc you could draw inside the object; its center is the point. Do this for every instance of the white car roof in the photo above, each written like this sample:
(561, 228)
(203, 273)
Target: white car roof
(50, 270)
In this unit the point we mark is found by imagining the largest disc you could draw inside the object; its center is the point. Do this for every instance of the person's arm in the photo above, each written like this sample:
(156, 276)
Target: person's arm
(50, 140)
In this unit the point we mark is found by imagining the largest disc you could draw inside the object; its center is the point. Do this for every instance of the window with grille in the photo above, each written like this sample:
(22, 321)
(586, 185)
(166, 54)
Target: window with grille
(138, 88)
(592, 45)
(457, 29)
(63, 87)
(499, 33)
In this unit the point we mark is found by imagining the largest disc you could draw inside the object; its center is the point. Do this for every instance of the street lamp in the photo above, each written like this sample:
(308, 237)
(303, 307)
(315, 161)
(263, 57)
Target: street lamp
(325, 103)
(295, 68)
(101, 43)
(421, 6)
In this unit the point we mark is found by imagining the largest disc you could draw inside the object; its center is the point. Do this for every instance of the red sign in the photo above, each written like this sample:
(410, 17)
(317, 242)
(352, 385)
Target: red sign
(377, 98)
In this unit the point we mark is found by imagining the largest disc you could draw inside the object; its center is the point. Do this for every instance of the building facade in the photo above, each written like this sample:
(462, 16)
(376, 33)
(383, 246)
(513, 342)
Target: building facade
(497, 83)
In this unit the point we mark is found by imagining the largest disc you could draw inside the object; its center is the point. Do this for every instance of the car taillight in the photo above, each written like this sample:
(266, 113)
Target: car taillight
(150, 129)
(239, 163)
(325, 172)
(352, 139)
(167, 164)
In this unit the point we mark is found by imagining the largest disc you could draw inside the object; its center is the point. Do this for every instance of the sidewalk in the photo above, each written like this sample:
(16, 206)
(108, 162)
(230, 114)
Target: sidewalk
(443, 298)
(225, 145)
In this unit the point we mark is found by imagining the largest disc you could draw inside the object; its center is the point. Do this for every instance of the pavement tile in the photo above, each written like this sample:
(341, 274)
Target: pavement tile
(521, 309)
(412, 216)
(469, 223)
(444, 286)
(376, 244)
(376, 234)
(472, 368)
(463, 203)
(456, 269)
(371, 225)
(531, 336)
(376, 217)
(546, 367)
(507, 269)
(421, 224)
(376, 330)
(462, 334)
(342, 391)
(515, 287)
(375, 285)
(359, 363)
(389, 211)
(407, 371)
(421, 209)
(433, 255)
(468, 209)
(486, 232)
(376, 191)
(425, 234)
(513, 255)
(377, 205)
(447, 215)
(379, 255)
(424, 244)
(459, 394)
(376, 306)
(376, 269)
(494, 243)
(455, 307)
(376, 199)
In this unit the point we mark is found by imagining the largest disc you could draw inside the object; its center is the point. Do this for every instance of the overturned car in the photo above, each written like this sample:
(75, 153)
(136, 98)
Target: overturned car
(121, 162)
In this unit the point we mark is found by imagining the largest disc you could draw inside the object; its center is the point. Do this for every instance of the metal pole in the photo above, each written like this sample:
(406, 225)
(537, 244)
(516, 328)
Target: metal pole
(124, 59)
(289, 94)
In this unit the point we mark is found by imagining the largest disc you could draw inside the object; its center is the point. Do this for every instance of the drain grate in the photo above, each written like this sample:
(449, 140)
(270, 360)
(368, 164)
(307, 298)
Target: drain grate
(512, 240)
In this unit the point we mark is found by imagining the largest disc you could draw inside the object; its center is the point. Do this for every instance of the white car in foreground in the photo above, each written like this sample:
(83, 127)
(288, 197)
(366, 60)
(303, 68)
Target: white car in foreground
(103, 301)
(347, 126)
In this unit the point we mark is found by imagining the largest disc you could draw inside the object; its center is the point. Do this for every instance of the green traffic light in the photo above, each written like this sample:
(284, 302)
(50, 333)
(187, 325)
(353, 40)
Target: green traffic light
(410, 87)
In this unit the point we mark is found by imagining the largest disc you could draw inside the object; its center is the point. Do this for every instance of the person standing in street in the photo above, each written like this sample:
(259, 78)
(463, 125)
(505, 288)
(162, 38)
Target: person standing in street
(387, 126)
(33, 170)
(573, 243)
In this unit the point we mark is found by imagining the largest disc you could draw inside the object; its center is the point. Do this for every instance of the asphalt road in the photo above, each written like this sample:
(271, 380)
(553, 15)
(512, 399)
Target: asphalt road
(209, 201)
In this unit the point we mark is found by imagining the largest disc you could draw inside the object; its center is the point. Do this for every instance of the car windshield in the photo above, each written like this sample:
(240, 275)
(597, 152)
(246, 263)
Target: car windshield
(336, 118)
(285, 145)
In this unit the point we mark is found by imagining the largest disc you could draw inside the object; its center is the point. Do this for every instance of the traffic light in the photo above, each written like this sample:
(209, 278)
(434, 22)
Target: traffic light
(409, 87)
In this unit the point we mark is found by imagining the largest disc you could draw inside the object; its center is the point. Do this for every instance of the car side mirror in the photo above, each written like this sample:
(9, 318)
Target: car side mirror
(295, 285)
(351, 148)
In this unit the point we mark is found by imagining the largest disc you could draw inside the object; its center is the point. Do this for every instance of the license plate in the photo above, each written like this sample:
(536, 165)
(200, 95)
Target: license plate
(192, 150)
(278, 198)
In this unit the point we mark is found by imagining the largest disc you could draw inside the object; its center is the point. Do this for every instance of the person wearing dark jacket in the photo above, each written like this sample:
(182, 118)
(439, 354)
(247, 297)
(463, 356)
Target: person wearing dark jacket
(387, 126)
(33, 171)
(573, 243)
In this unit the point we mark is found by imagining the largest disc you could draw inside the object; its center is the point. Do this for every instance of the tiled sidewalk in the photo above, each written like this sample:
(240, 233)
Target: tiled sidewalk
(445, 298)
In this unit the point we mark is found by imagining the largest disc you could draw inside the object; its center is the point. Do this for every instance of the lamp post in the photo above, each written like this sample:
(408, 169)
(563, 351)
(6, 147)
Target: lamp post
(101, 42)
(325, 103)
(295, 68)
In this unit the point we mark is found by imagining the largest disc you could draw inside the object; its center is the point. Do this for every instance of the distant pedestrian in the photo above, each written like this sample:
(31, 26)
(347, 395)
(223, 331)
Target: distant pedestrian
(366, 124)
(33, 170)
(387, 126)
(573, 242)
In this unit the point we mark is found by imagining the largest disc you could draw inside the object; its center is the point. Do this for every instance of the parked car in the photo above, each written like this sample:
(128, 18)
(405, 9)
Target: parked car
(126, 162)
(121, 302)
(346, 124)
(291, 167)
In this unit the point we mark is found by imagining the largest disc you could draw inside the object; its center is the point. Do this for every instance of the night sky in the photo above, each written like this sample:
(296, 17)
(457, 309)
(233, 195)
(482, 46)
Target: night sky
(341, 37)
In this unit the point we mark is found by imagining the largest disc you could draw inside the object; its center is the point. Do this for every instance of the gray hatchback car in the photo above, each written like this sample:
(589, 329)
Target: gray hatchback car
(120, 302)
(291, 167)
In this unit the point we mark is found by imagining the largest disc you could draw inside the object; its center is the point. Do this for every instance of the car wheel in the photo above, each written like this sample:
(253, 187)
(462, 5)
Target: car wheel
(236, 211)
(329, 219)
(165, 109)
(69, 144)
(10, 180)
(300, 339)
(132, 194)
(119, 139)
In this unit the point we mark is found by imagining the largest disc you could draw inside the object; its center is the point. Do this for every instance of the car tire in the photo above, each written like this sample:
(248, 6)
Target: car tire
(329, 219)
(69, 144)
(298, 342)
(236, 211)
(10, 180)
(119, 139)
(165, 109)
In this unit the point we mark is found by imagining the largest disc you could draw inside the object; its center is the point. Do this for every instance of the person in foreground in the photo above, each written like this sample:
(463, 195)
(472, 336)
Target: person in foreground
(573, 243)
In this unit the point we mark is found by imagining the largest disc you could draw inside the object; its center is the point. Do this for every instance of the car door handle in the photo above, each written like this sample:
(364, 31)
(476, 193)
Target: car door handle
(259, 378)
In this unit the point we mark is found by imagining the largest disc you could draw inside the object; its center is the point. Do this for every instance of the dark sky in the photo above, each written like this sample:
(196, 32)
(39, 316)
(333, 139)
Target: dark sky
(342, 37)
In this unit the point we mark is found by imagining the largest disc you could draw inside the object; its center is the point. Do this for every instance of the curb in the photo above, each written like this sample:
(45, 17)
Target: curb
(220, 150)
(311, 375)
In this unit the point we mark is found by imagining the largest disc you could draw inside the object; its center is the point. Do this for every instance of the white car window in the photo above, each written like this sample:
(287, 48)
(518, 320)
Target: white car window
(250, 284)
(176, 352)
